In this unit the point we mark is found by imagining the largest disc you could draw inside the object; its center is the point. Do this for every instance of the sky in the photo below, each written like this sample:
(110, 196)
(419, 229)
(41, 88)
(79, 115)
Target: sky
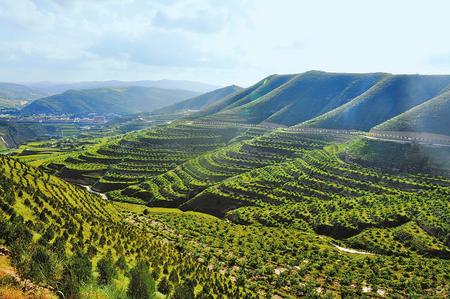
(219, 41)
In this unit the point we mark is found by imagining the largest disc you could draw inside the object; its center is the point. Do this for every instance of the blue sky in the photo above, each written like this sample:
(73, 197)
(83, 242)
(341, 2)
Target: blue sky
(218, 41)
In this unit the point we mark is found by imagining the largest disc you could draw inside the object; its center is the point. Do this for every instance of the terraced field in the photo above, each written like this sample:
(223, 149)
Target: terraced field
(190, 178)
(289, 261)
(137, 156)
(298, 214)
(323, 193)
(299, 182)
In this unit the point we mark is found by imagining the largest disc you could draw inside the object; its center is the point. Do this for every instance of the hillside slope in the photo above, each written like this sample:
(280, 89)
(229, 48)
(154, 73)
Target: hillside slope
(201, 101)
(395, 156)
(45, 220)
(245, 96)
(433, 116)
(106, 101)
(390, 97)
(305, 96)
(288, 199)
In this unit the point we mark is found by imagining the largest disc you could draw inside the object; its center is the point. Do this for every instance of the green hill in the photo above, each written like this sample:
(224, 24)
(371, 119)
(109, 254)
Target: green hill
(200, 101)
(16, 95)
(245, 96)
(107, 101)
(329, 100)
(305, 96)
(433, 116)
(390, 97)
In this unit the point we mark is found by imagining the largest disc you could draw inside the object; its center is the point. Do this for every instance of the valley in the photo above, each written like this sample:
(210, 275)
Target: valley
(240, 149)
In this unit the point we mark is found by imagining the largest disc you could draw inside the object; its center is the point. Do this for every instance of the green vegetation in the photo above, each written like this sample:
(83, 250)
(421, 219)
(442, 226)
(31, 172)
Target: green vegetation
(245, 96)
(142, 285)
(388, 98)
(185, 181)
(133, 158)
(49, 225)
(16, 133)
(213, 206)
(299, 193)
(324, 100)
(399, 157)
(430, 117)
(273, 256)
(305, 96)
(107, 101)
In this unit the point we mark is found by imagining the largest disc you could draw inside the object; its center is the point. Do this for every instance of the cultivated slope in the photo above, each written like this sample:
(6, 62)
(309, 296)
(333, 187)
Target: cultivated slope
(199, 102)
(390, 97)
(39, 212)
(107, 100)
(433, 116)
(142, 154)
(288, 197)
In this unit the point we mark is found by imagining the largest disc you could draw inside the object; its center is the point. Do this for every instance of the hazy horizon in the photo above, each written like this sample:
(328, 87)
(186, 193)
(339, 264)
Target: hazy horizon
(237, 42)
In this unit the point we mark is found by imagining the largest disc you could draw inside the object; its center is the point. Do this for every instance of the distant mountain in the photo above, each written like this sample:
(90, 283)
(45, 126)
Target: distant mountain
(390, 97)
(312, 99)
(107, 101)
(55, 88)
(433, 116)
(201, 101)
(15, 95)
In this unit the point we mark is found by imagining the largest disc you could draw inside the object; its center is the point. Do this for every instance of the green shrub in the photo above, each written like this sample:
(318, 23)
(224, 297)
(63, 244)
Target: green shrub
(183, 292)
(122, 263)
(42, 265)
(142, 285)
(164, 286)
(77, 272)
(106, 270)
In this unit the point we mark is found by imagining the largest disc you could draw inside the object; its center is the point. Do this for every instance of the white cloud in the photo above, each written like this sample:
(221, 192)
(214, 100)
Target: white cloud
(234, 41)
(25, 14)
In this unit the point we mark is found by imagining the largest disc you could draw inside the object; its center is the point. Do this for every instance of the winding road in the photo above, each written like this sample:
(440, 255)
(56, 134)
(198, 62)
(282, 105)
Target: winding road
(401, 137)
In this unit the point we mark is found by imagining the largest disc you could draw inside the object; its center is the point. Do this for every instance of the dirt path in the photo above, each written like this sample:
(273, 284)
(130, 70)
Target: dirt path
(89, 189)
(349, 250)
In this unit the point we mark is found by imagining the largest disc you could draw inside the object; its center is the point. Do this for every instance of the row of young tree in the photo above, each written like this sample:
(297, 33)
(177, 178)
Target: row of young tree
(48, 224)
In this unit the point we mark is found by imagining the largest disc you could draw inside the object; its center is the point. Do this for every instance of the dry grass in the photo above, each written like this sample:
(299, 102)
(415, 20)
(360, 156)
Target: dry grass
(5, 266)
(9, 292)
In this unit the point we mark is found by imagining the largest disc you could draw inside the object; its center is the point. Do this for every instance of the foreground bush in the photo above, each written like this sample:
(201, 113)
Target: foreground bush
(142, 285)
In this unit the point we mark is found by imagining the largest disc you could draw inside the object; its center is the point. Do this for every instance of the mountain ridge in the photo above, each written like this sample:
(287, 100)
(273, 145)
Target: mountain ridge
(126, 100)
(201, 101)
(318, 99)
(59, 87)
